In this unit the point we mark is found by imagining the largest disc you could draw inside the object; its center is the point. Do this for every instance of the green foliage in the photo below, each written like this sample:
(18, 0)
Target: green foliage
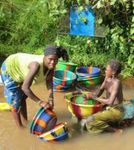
(29, 25)
(84, 53)
(116, 16)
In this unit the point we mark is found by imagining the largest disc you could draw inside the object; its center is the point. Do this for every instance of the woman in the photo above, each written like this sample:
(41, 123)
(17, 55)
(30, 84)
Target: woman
(113, 112)
(21, 70)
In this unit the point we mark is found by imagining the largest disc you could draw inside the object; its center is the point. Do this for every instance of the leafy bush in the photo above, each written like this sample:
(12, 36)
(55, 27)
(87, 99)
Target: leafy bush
(28, 26)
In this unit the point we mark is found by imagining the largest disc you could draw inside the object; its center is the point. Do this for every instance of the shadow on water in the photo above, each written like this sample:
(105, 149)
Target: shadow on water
(12, 138)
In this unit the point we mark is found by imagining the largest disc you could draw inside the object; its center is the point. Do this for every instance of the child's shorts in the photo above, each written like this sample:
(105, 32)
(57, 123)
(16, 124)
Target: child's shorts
(12, 90)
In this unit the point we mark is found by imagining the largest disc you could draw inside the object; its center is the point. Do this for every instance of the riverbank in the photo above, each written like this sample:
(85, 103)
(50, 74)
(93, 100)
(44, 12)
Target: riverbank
(128, 82)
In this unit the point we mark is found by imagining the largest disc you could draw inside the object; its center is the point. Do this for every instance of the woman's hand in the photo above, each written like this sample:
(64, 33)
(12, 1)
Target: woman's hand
(44, 104)
(51, 102)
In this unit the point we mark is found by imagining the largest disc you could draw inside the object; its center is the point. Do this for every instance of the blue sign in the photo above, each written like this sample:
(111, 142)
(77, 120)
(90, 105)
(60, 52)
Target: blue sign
(82, 23)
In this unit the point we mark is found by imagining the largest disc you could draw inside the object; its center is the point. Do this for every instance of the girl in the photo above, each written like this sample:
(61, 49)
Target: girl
(21, 70)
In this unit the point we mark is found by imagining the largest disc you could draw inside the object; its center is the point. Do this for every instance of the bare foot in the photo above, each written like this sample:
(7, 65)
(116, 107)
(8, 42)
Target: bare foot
(25, 122)
(83, 124)
(118, 131)
(21, 127)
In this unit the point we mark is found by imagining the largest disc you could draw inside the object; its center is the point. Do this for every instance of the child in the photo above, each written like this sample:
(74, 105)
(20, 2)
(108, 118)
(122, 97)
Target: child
(113, 112)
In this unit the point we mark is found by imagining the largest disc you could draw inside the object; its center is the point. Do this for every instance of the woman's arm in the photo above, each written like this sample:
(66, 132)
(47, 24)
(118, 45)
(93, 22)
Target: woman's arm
(26, 86)
(33, 70)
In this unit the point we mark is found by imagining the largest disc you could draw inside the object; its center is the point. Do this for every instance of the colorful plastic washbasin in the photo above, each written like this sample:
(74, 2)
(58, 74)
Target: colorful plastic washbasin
(132, 100)
(44, 120)
(58, 133)
(60, 88)
(62, 65)
(89, 81)
(88, 71)
(63, 79)
(81, 108)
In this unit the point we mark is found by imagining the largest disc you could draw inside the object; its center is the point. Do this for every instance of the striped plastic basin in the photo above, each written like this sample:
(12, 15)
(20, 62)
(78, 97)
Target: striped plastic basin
(62, 65)
(89, 81)
(88, 71)
(44, 120)
(63, 80)
(58, 133)
(81, 108)
(88, 76)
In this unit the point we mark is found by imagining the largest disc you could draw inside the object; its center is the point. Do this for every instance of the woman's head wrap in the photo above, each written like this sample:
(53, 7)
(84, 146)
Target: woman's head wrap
(51, 50)
(56, 50)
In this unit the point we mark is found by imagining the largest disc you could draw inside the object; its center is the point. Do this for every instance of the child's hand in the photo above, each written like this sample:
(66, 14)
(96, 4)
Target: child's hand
(77, 92)
(90, 96)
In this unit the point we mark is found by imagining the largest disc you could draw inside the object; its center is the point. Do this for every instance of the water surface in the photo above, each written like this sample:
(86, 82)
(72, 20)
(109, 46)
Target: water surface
(11, 138)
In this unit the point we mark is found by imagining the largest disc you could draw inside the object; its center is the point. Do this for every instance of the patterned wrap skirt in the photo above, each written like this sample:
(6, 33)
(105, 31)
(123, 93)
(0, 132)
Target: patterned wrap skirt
(12, 91)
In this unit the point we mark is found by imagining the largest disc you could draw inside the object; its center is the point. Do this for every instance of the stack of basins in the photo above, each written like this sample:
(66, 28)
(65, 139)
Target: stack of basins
(62, 65)
(44, 125)
(81, 107)
(64, 76)
(88, 76)
(44, 120)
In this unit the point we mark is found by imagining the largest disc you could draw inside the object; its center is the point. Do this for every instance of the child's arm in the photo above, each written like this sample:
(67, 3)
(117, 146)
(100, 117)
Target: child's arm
(98, 93)
(101, 90)
(110, 101)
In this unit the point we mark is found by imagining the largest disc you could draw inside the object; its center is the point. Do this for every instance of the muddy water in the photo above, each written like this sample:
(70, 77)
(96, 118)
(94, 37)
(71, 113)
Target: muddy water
(12, 138)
